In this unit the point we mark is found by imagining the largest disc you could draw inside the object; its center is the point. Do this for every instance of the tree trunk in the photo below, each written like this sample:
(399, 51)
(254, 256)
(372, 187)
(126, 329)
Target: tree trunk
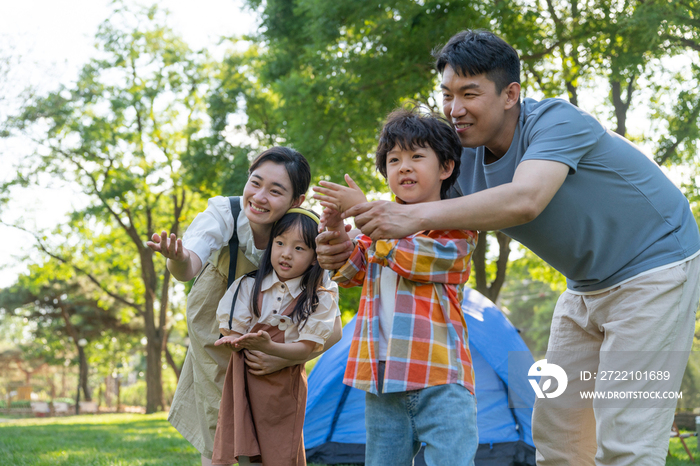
(621, 105)
(154, 335)
(171, 362)
(154, 373)
(493, 289)
(119, 394)
(84, 374)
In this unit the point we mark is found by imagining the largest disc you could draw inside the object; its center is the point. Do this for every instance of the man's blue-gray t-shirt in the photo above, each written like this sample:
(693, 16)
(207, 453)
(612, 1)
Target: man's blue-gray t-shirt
(615, 216)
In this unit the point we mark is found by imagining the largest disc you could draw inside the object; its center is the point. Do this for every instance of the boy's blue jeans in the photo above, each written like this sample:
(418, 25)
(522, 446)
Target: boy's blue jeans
(442, 417)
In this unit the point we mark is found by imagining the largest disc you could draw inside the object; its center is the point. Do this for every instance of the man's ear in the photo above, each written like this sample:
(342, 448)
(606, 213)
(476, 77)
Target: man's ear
(298, 201)
(447, 170)
(512, 95)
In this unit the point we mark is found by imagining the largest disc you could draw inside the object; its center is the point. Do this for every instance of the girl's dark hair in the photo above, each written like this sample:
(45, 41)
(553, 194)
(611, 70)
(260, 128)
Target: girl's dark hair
(312, 278)
(475, 52)
(296, 164)
(408, 128)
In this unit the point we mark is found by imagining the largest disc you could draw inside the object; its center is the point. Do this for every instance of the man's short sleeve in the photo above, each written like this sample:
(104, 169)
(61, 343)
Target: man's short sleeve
(560, 132)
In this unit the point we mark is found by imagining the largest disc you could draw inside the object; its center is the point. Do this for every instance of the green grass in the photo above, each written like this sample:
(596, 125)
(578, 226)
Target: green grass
(95, 440)
(678, 455)
(132, 439)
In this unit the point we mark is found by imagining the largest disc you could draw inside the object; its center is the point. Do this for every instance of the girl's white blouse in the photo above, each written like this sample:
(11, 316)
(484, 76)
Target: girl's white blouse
(277, 295)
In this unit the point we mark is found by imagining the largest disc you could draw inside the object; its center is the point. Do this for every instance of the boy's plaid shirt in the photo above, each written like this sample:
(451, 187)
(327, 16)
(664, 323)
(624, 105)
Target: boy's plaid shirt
(429, 342)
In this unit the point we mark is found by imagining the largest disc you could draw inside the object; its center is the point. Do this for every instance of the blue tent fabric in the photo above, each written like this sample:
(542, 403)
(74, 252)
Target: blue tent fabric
(334, 429)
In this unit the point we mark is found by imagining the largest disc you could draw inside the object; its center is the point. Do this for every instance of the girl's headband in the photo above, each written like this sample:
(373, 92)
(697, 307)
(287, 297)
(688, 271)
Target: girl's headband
(297, 210)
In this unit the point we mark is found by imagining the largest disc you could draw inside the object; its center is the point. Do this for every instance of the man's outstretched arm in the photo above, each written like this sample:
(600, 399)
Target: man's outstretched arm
(534, 184)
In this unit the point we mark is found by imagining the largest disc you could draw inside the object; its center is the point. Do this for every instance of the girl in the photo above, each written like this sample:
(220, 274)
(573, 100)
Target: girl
(277, 180)
(285, 311)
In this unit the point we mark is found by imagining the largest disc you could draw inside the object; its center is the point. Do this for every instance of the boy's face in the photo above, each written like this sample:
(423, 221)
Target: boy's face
(415, 176)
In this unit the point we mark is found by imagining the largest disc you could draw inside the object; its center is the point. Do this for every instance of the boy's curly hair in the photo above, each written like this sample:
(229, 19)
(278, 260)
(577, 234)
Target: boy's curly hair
(411, 128)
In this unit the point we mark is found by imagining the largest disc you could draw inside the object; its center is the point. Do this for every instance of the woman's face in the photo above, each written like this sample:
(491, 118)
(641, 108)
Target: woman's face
(268, 194)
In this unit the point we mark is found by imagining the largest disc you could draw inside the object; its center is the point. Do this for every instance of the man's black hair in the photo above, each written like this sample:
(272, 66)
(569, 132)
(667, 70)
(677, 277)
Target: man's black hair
(474, 52)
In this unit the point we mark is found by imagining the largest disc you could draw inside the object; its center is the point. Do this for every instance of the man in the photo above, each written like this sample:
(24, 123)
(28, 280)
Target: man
(595, 208)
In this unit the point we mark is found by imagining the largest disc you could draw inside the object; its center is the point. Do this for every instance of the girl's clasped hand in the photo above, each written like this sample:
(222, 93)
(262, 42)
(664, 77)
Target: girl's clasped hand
(258, 341)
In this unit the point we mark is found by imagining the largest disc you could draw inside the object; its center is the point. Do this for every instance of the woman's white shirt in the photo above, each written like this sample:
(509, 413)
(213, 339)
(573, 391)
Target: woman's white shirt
(212, 229)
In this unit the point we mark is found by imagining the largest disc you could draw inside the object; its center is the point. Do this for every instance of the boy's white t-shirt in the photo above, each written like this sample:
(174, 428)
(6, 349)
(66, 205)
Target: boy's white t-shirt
(387, 302)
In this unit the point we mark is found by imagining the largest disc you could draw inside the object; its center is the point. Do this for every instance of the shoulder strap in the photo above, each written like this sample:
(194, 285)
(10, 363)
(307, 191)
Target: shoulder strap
(235, 298)
(233, 242)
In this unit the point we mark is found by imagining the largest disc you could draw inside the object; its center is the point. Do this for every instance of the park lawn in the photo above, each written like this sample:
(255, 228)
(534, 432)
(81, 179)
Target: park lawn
(130, 439)
(95, 440)
(678, 455)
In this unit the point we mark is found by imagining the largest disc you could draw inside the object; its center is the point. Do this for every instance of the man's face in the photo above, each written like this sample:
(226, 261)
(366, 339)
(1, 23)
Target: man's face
(477, 111)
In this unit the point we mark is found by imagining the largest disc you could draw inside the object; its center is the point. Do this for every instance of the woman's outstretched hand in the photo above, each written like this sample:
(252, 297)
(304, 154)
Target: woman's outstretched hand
(170, 247)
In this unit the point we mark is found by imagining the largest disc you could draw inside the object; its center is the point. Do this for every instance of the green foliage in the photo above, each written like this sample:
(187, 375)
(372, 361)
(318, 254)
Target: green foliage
(135, 394)
(530, 301)
(125, 132)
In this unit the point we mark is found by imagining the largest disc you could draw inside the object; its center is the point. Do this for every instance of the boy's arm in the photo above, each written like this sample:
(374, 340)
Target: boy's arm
(438, 257)
(352, 273)
(261, 341)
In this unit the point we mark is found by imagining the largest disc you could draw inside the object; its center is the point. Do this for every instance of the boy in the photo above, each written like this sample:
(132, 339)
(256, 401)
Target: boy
(409, 350)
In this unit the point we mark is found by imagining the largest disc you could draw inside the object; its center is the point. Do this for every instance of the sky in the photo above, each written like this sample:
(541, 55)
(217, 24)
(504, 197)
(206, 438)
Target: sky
(53, 40)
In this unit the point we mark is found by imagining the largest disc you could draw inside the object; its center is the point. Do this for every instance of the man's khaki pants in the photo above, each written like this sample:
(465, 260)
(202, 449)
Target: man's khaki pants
(654, 315)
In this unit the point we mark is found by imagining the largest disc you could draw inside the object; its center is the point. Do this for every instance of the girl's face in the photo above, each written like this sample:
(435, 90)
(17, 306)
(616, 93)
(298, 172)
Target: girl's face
(290, 255)
(268, 194)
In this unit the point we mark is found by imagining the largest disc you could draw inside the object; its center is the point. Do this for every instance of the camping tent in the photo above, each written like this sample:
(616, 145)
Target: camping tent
(334, 430)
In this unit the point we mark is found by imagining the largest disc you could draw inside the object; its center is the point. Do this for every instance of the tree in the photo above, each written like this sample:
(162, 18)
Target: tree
(66, 317)
(332, 71)
(120, 134)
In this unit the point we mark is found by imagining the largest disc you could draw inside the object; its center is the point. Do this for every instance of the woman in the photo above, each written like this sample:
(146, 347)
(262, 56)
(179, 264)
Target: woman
(278, 180)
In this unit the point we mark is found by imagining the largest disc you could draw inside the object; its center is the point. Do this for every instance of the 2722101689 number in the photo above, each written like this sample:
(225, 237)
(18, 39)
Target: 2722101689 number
(625, 375)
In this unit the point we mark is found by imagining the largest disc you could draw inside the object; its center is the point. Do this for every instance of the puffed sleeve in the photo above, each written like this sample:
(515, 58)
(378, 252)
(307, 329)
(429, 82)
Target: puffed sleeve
(242, 315)
(332, 288)
(210, 230)
(319, 325)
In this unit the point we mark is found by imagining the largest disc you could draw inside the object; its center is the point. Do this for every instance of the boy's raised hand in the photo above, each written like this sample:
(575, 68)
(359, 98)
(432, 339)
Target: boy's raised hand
(330, 218)
(169, 247)
(339, 197)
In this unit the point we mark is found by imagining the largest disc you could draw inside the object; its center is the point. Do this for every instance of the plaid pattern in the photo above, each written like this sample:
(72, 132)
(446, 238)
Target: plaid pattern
(429, 342)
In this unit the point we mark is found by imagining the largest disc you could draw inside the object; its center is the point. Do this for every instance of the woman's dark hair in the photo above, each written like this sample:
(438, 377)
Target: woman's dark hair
(296, 165)
(474, 52)
(312, 278)
(408, 128)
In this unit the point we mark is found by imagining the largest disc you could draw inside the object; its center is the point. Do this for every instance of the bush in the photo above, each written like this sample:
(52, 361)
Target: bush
(16, 404)
(134, 395)
(70, 401)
